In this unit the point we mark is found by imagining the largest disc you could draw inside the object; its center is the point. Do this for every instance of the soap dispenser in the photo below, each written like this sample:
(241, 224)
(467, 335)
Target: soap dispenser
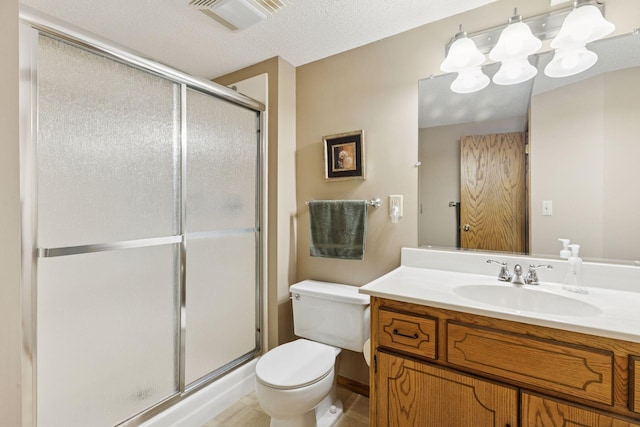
(565, 252)
(573, 281)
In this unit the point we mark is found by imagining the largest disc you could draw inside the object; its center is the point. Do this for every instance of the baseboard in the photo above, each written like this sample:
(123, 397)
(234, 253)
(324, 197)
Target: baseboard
(353, 385)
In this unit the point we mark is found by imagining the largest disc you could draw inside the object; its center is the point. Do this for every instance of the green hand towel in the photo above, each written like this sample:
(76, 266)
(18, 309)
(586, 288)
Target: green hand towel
(338, 228)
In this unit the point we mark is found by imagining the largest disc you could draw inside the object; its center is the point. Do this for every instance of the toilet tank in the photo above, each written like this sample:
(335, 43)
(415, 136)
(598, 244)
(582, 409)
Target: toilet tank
(330, 313)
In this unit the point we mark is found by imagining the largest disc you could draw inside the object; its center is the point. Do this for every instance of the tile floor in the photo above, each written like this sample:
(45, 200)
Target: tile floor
(247, 412)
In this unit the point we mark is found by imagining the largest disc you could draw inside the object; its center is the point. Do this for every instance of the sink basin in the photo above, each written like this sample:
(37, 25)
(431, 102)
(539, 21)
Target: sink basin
(525, 299)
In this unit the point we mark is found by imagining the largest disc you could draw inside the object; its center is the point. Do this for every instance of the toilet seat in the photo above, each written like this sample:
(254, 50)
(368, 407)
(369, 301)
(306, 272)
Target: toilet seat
(296, 364)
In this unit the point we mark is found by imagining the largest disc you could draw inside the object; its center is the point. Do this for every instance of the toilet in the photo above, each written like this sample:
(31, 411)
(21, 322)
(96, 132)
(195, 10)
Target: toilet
(296, 381)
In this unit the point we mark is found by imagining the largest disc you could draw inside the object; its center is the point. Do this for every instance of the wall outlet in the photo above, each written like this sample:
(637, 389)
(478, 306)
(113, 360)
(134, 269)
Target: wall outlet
(395, 201)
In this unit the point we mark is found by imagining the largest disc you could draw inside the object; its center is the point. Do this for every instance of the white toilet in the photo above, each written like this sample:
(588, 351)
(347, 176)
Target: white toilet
(296, 381)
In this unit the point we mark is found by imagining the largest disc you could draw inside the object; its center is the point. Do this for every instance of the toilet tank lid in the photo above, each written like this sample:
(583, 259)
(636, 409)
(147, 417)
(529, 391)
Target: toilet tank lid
(331, 291)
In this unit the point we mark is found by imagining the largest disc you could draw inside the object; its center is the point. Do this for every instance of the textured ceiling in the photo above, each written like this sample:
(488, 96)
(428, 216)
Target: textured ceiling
(176, 34)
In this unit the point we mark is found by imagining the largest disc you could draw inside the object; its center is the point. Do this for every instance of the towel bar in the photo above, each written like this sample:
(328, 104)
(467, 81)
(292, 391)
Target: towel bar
(373, 202)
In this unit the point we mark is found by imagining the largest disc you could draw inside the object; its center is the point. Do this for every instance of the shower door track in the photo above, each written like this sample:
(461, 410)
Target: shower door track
(41, 23)
(80, 37)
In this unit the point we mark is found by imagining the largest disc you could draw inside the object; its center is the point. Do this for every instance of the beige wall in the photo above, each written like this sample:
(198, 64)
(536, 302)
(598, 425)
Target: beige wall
(589, 161)
(621, 203)
(375, 88)
(559, 153)
(10, 304)
(280, 197)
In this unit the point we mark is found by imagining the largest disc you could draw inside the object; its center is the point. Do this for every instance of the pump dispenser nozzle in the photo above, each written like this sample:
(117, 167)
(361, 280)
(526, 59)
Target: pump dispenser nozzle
(565, 252)
(575, 250)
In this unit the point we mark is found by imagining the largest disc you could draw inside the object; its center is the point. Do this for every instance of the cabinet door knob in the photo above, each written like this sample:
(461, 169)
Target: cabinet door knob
(466, 227)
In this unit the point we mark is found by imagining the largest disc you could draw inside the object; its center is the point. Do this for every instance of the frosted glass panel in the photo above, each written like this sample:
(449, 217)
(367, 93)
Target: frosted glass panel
(221, 302)
(107, 335)
(108, 141)
(109, 168)
(222, 157)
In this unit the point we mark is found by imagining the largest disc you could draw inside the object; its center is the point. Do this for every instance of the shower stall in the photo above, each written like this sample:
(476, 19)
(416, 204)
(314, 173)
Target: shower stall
(142, 243)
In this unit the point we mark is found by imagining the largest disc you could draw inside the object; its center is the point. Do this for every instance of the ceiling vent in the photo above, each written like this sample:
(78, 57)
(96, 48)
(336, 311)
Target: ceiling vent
(238, 14)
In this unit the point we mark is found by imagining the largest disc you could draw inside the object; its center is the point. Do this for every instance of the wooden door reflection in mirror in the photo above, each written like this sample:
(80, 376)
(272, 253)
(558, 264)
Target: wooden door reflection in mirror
(493, 192)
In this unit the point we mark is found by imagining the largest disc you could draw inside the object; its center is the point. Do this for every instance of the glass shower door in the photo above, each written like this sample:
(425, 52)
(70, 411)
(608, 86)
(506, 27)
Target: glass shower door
(146, 201)
(107, 298)
(221, 234)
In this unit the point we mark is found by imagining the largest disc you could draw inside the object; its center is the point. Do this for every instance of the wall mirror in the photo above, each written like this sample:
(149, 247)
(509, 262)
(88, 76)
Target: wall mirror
(581, 168)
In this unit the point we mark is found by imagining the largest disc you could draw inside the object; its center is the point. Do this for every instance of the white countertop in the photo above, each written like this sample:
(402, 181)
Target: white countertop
(619, 315)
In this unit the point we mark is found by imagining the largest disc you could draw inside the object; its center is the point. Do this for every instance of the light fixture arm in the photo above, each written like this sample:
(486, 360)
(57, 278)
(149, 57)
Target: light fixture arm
(515, 18)
(543, 26)
(459, 35)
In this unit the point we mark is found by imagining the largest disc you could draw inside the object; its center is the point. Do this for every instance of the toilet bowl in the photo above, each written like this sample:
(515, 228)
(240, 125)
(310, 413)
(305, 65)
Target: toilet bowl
(296, 381)
(366, 351)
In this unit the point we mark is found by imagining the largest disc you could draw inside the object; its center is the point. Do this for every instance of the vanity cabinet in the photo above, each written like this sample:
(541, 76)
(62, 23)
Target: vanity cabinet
(409, 333)
(405, 397)
(635, 384)
(540, 412)
(574, 370)
(437, 367)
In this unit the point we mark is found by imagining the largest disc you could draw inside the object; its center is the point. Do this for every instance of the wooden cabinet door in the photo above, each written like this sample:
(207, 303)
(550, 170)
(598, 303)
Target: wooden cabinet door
(542, 412)
(415, 394)
(634, 386)
(493, 192)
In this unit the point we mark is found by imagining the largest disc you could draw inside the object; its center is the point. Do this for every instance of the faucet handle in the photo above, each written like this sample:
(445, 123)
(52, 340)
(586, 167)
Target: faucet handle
(532, 275)
(504, 275)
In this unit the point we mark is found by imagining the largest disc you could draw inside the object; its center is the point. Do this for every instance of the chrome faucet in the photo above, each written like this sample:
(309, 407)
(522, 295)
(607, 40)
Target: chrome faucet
(532, 275)
(517, 278)
(531, 278)
(504, 275)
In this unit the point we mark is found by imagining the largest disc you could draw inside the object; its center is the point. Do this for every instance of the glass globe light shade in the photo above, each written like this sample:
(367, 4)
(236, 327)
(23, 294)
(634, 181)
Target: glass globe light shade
(514, 72)
(583, 25)
(515, 42)
(570, 61)
(470, 80)
(463, 54)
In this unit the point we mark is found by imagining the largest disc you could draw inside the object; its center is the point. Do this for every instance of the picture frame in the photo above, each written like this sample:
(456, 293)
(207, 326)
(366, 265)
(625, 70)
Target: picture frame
(344, 156)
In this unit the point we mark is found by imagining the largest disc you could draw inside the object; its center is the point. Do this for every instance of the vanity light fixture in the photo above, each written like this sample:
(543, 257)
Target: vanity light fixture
(569, 61)
(573, 27)
(470, 80)
(514, 46)
(465, 59)
(582, 25)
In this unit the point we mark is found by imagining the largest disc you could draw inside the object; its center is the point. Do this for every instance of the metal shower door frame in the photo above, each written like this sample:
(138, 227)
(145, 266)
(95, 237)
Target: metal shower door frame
(32, 24)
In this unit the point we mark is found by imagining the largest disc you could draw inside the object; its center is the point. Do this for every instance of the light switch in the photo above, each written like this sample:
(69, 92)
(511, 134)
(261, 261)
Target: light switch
(547, 207)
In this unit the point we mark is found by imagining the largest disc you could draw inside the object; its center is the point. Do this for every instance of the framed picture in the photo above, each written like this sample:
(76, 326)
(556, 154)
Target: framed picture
(344, 156)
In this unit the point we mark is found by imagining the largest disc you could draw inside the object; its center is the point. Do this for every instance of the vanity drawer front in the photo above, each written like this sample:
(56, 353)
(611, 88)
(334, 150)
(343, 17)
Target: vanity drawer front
(634, 381)
(573, 370)
(408, 333)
